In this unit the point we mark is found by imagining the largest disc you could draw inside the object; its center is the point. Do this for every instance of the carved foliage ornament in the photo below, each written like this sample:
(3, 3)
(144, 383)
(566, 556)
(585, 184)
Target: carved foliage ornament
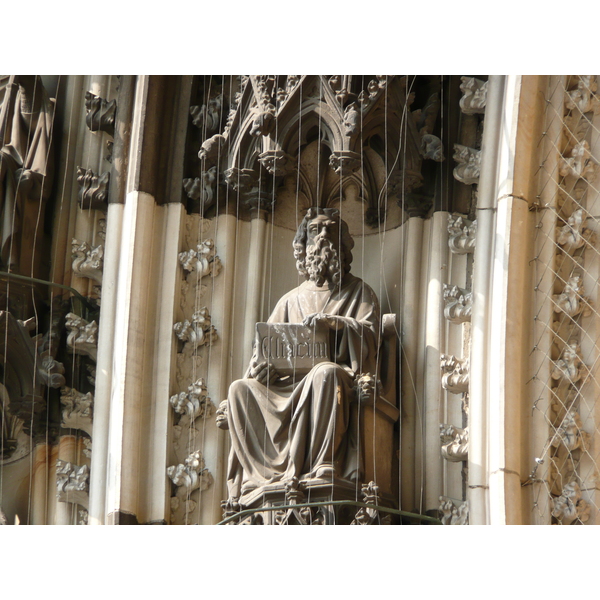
(191, 475)
(345, 161)
(574, 234)
(571, 300)
(82, 337)
(458, 304)
(197, 332)
(580, 164)
(462, 234)
(72, 482)
(212, 149)
(469, 164)
(194, 403)
(100, 113)
(570, 433)
(77, 409)
(51, 371)
(203, 188)
(455, 442)
(202, 260)
(455, 376)
(235, 104)
(474, 95)
(583, 98)
(454, 515)
(569, 506)
(432, 148)
(277, 162)
(93, 189)
(367, 516)
(88, 261)
(208, 116)
(569, 367)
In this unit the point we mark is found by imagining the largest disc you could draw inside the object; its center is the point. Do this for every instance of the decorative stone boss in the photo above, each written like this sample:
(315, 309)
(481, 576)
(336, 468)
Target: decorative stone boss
(294, 413)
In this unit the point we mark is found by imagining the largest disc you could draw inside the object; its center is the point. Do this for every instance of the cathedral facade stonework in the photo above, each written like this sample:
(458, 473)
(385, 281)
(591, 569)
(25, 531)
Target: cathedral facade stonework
(299, 299)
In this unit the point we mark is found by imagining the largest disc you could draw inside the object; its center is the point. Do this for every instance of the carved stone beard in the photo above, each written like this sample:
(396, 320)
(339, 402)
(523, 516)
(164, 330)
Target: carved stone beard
(323, 262)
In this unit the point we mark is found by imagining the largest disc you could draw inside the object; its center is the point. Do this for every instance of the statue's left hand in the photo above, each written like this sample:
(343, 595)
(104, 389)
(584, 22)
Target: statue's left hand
(332, 321)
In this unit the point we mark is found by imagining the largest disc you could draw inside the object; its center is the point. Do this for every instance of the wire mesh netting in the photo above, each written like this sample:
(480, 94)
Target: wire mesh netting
(564, 359)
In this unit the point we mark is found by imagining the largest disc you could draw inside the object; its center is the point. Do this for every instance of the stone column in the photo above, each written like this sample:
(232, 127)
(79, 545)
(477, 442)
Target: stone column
(39, 484)
(130, 340)
(255, 278)
(434, 343)
(104, 365)
(169, 220)
(219, 374)
(67, 451)
(410, 347)
(93, 153)
(544, 256)
(477, 495)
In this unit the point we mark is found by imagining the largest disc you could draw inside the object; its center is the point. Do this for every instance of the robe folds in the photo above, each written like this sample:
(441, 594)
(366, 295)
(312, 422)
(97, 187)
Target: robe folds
(290, 428)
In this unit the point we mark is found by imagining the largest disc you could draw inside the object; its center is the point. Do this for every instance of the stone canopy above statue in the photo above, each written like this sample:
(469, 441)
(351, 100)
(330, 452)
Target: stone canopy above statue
(292, 142)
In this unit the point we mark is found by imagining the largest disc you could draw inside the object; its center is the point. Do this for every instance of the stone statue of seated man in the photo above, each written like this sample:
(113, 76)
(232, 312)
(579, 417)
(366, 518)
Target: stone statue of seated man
(305, 426)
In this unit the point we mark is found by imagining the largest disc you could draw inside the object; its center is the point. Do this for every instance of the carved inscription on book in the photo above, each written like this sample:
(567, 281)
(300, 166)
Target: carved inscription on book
(292, 348)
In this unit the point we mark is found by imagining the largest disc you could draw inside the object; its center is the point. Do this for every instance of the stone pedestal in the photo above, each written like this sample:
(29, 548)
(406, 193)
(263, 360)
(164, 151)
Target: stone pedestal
(292, 495)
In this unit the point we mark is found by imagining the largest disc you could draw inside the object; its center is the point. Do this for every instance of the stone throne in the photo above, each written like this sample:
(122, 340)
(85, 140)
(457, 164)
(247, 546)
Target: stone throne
(376, 412)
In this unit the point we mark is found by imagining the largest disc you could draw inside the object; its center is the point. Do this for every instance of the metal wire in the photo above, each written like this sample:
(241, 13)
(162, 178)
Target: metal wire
(564, 385)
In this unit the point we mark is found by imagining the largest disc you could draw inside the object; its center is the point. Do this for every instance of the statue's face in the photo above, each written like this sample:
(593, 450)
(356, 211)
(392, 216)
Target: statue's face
(323, 259)
(324, 226)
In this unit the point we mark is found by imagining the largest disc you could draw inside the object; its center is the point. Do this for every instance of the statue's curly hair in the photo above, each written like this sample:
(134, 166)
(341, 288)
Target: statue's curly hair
(299, 244)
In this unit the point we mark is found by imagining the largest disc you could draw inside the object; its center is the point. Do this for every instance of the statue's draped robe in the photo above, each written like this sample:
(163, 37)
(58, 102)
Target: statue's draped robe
(290, 428)
(26, 117)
